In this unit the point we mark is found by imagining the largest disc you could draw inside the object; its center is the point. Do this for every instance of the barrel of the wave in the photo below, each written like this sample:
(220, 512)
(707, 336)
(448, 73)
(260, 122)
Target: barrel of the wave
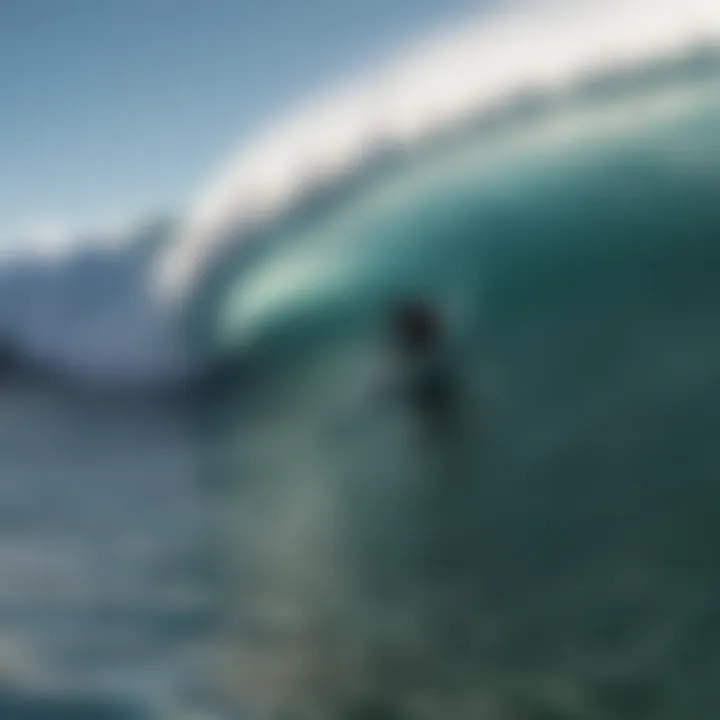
(558, 557)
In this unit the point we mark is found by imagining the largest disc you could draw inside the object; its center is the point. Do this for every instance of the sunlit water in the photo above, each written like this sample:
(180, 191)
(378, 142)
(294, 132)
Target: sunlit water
(546, 552)
(101, 539)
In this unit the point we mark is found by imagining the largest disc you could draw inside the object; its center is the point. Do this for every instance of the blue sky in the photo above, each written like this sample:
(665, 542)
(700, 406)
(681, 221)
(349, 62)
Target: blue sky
(114, 109)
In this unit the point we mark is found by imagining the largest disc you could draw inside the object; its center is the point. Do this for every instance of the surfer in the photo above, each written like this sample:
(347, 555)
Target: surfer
(419, 374)
(421, 351)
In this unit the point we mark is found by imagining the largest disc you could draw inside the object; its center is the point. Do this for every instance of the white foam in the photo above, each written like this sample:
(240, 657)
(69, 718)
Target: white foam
(83, 304)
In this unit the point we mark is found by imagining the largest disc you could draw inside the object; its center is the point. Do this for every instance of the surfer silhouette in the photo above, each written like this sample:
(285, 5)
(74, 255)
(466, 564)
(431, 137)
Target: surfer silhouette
(419, 373)
(420, 346)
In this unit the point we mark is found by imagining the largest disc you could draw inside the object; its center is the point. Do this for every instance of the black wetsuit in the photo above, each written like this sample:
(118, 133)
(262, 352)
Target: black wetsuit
(421, 349)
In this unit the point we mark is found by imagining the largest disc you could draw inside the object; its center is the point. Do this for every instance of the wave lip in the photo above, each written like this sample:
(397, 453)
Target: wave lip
(465, 72)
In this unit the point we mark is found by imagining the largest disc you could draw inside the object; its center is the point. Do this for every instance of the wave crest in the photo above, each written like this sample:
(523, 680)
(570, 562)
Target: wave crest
(469, 72)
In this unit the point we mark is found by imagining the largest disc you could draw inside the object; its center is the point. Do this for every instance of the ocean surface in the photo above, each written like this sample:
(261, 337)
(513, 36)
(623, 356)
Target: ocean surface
(101, 595)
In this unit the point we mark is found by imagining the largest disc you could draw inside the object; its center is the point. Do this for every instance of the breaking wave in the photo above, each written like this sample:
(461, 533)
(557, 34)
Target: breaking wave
(110, 310)
(485, 69)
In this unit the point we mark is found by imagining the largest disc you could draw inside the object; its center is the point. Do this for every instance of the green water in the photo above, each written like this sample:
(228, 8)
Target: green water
(553, 552)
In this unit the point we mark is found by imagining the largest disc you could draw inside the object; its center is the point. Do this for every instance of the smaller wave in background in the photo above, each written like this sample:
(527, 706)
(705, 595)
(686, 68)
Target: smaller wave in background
(85, 310)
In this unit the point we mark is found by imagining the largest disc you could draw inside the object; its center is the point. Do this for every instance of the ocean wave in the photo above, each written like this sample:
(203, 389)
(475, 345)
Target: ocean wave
(484, 70)
(111, 309)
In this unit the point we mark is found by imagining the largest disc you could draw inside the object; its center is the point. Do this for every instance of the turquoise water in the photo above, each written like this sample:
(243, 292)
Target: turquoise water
(449, 219)
(552, 552)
